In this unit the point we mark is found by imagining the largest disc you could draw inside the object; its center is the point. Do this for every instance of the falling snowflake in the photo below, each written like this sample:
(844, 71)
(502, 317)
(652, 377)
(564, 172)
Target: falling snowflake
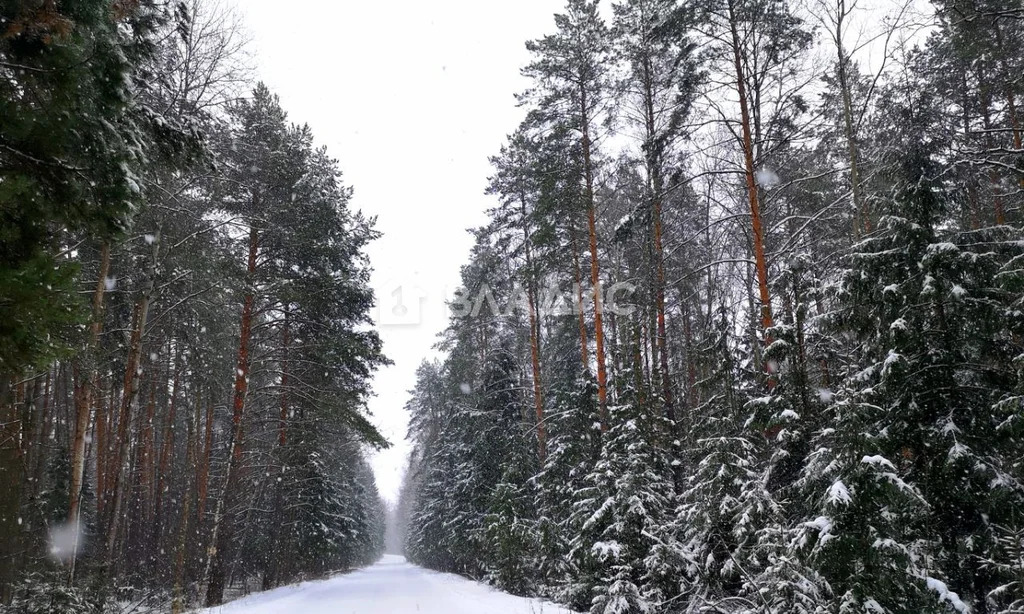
(63, 541)
(766, 178)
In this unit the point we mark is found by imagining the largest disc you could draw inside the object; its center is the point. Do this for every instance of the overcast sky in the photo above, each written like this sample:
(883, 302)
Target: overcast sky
(411, 97)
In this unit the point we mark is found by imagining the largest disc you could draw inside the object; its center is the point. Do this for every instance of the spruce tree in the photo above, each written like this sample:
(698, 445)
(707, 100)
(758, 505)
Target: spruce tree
(908, 482)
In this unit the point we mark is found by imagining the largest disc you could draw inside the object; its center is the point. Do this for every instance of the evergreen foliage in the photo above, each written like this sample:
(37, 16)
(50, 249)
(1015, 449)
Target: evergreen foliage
(837, 432)
(167, 240)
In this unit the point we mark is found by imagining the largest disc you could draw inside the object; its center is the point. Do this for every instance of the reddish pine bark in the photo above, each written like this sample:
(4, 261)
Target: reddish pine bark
(129, 400)
(654, 174)
(223, 530)
(119, 454)
(104, 456)
(581, 318)
(84, 398)
(760, 263)
(531, 291)
(11, 484)
(595, 270)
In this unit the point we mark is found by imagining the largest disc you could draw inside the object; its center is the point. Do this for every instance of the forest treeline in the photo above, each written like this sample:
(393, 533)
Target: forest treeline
(185, 344)
(814, 401)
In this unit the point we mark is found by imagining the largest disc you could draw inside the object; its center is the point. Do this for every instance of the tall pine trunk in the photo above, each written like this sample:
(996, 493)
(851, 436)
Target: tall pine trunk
(581, 319)
(11, 482)
(84, 401)
(189, 492)
(224, 522)
(166, 450)
(272, 574)
(655, 186)
(595, 269)
(129, 401)
(531, 291)
(760, 263)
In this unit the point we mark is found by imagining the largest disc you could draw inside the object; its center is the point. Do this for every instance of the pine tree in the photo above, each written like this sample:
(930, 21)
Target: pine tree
(131, 183)
(661, 82)
(75, 138)
(569, 69)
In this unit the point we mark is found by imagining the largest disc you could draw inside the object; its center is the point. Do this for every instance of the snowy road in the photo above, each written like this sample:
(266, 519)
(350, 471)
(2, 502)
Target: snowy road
(391, 586)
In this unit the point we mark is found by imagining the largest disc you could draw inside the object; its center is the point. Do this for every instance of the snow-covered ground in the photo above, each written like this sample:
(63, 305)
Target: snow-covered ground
(392, 586)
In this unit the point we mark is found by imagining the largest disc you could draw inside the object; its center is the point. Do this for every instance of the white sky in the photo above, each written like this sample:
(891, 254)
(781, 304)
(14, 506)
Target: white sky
(411, 97)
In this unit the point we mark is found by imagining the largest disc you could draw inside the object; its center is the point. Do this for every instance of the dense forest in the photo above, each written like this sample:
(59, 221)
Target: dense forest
(804, 394)
(185, 342)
